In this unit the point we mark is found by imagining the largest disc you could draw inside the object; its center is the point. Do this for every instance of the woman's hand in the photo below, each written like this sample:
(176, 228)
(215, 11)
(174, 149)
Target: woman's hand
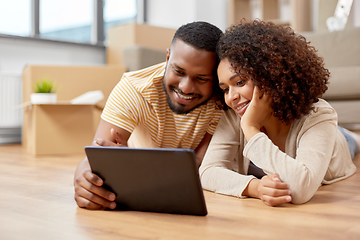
(270, 190)
(257, 114)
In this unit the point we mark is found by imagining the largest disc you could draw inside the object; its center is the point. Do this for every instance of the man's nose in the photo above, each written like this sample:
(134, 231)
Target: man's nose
(187, 85)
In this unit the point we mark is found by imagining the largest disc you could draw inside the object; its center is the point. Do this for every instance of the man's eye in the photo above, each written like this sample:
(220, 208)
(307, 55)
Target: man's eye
(203, 79)
(178, 72)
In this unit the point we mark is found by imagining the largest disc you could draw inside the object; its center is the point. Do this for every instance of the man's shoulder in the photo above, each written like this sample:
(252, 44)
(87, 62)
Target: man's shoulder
(146, 76)
(145, 83)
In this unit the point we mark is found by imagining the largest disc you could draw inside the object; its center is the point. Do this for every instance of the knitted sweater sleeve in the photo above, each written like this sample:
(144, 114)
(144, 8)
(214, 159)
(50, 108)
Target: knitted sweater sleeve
(218, 171)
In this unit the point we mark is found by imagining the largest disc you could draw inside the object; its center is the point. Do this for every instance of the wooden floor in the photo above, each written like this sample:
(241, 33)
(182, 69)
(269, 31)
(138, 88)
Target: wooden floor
(36, 202)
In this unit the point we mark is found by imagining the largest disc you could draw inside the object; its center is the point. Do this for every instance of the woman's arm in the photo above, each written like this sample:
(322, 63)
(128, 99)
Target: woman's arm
(216, 170)
(201, 149)
(309, 151)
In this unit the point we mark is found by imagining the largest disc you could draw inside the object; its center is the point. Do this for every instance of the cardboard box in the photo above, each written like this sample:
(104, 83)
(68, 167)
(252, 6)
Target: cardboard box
(59, 128)
(73, 81)
(157, 38)
(65, 128)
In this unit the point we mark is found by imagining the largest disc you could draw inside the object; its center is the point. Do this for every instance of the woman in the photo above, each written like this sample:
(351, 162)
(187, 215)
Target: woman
(279, 141)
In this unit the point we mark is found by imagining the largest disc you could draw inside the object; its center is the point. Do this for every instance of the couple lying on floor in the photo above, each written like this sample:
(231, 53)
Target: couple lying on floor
(276, 139)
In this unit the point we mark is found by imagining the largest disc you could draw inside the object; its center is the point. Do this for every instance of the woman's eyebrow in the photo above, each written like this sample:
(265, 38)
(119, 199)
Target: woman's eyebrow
(234, 76)
(231, 78)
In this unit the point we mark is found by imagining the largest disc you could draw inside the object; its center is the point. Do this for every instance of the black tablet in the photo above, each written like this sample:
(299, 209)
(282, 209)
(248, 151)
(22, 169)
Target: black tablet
(154, 180)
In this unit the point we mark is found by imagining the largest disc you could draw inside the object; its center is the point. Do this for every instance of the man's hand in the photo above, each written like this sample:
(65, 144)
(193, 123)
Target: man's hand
(270, 190)
(89, 192)
(119, 141)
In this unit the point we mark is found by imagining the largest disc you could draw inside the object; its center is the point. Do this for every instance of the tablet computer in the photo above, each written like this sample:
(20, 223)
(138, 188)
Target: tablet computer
(150, 179)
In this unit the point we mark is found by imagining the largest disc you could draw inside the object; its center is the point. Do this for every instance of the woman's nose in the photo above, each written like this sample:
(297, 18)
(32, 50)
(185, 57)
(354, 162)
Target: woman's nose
(186, 85)
(233, 94)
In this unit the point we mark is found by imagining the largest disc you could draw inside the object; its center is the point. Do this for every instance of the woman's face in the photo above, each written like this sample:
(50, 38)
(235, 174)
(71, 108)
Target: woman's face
(238, 88)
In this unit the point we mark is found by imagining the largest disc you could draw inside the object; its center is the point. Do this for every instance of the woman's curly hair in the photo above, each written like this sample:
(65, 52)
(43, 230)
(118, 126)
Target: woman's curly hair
(280, 62)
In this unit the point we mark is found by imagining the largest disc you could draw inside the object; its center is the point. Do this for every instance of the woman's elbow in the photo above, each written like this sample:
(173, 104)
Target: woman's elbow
(301, 197)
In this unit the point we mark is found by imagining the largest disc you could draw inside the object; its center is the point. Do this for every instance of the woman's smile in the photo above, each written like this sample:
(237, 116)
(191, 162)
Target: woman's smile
(241, 108)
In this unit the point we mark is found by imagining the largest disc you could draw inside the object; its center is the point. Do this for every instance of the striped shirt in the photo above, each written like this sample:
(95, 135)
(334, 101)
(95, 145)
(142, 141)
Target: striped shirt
(139, 99)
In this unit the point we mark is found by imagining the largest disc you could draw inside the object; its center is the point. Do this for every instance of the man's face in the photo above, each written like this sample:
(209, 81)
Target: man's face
(188, 78)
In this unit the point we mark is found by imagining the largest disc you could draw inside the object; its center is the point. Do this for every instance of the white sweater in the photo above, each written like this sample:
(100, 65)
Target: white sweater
(316, 153)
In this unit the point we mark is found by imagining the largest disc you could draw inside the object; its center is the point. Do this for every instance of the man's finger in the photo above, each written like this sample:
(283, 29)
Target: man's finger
(117, 136)
(93, 178)
(94, 184)
(93, 201)
(105, 143)
(85, 203)
(120, 140)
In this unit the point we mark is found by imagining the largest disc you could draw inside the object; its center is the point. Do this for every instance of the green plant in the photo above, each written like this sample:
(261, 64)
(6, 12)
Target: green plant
(44, 86)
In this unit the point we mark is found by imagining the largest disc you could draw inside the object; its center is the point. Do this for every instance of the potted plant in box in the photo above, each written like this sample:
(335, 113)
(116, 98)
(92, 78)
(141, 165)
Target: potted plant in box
(45, 92)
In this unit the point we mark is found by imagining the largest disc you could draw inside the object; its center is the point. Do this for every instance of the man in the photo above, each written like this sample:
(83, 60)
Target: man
(170, 105)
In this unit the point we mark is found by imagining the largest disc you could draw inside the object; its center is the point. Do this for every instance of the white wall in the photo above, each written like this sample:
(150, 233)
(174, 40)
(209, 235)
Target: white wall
(174, 13)
(169, 13)
(16, 53)
(212, 11)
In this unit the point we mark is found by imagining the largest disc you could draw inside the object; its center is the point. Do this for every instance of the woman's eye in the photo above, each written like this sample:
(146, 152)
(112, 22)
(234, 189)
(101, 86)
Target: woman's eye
(240, 82)
(225, 90)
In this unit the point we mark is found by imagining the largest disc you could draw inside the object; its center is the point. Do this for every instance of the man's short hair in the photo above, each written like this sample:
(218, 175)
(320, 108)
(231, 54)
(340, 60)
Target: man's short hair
(200, 35)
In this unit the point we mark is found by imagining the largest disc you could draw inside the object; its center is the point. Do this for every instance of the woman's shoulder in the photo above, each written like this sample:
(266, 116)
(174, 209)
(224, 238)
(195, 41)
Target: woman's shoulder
(322, 112)
(323, 105)
(229, 120)
(231, 116)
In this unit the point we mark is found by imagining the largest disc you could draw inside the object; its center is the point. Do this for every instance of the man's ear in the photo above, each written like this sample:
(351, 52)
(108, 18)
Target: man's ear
(167, 54)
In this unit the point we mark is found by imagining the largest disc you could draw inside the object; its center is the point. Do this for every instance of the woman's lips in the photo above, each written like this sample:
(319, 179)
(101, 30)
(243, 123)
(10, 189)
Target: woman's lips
(240, 108)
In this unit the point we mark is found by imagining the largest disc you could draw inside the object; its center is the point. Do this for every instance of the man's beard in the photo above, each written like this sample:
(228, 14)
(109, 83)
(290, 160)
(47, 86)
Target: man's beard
(177, 108)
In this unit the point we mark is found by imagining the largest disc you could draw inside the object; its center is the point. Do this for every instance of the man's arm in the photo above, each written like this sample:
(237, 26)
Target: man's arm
(108, 134)
(89, 192)
(201, 149)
